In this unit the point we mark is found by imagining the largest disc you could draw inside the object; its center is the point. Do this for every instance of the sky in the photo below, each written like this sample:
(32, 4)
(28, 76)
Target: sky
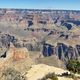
(41, 4)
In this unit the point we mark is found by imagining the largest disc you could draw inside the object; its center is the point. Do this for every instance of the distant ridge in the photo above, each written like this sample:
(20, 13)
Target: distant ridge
(39, 9)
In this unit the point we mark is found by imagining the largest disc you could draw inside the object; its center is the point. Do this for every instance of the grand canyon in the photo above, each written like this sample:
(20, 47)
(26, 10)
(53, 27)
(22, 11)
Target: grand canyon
(35, 38)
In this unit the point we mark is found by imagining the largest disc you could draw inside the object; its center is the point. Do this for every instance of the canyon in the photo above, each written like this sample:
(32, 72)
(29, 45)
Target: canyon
(38, 37)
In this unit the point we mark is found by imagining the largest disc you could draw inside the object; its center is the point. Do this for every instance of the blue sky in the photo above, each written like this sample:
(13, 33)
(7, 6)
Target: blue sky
(41, 4)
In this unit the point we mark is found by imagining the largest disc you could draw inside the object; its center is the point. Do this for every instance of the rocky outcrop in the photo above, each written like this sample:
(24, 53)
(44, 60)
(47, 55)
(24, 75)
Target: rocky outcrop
(17, 54)
(17, 58)
(63, 51)
(5, 39)
(37, 72)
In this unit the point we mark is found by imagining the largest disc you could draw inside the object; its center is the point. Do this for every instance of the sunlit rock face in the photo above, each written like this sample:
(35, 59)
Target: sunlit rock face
(17, 53)
(17, 58)
(37, 72)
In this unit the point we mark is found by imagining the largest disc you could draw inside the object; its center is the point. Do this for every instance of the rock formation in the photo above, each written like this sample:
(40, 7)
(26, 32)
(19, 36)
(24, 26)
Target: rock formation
(52, 37)
(17, 53)
(40, 70)
(63, 51)
(16, 58)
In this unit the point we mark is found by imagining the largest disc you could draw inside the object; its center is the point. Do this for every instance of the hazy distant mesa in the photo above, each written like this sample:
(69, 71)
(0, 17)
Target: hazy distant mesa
(37, 18)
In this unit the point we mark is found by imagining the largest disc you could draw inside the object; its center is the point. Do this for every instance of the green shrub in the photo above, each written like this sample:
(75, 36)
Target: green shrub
(74, 66)
(51, 76)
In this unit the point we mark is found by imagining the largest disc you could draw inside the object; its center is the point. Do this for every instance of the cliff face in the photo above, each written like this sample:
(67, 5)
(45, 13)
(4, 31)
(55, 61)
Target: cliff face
(63, 51)
(30, 28)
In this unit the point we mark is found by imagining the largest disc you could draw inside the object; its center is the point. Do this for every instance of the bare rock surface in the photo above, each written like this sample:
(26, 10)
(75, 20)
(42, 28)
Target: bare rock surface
(40, 70)
(17, 58)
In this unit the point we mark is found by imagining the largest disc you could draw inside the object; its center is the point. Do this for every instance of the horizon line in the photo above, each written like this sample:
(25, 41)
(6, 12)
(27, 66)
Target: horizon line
(41, 9)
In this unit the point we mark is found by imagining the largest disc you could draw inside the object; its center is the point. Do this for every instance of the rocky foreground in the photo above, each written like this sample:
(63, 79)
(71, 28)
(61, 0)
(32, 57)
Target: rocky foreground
(39, 71)
(19, 66)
